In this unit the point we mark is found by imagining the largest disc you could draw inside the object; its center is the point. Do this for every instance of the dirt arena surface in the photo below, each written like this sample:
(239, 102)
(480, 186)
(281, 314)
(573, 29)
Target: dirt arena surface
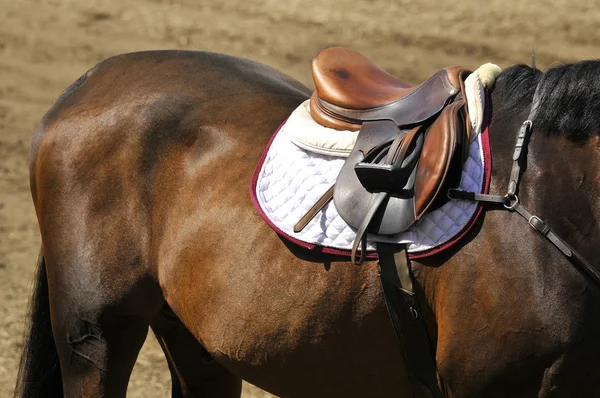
(46, 44)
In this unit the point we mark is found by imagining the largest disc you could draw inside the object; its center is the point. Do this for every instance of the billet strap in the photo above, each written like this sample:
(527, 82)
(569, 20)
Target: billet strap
(406, 318)
(314, 210)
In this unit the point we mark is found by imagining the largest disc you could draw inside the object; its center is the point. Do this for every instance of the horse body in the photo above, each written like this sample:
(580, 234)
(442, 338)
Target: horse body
(140, 177)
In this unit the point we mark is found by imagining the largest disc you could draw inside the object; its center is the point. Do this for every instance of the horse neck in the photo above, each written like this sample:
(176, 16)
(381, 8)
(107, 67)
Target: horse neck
(558, 184)
(503, 256)
(559, 175)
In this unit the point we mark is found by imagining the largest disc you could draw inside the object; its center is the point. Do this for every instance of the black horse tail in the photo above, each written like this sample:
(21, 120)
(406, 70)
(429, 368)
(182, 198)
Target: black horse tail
(39, 370)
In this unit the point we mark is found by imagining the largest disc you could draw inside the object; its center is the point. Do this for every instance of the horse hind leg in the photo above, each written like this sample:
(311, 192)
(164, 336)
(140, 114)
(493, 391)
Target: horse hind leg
(193, 371)
(99, 325)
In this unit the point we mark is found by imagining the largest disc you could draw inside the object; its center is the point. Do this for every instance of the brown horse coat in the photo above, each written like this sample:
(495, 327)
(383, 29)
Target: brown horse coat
(140, 176)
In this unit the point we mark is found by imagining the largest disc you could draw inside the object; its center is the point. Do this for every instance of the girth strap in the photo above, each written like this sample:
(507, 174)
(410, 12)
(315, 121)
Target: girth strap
(405, 314)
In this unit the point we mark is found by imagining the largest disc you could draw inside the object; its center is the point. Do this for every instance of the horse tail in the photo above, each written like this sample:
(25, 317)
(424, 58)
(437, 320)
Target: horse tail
(39, 370)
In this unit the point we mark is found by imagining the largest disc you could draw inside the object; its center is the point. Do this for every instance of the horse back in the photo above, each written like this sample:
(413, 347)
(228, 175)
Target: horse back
(127, 135)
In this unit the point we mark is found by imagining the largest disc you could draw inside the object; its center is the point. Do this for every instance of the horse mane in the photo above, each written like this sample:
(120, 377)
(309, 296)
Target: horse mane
(75, 85)
(569, 97)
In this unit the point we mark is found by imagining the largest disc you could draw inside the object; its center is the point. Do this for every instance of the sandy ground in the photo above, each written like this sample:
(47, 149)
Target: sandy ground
(46, 44)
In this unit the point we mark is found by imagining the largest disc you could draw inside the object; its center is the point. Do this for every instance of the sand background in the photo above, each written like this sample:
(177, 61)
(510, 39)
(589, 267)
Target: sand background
(46, 44)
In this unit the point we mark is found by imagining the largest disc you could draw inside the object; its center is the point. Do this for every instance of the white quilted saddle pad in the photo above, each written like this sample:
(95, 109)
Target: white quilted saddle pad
(292, 178)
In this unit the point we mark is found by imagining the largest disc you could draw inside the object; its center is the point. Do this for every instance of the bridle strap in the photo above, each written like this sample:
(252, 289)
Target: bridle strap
(515, 173)
(539, 225)
(510, 201)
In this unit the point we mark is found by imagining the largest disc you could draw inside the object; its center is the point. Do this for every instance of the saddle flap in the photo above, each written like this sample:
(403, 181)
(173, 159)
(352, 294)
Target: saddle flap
(420, 174)
(354, 202)
(441, 141)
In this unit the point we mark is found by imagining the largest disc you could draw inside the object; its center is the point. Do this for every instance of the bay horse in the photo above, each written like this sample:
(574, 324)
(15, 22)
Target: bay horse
(140, 174)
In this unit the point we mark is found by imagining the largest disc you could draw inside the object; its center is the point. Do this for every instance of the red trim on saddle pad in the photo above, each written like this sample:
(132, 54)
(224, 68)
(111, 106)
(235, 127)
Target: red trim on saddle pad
(487, 155)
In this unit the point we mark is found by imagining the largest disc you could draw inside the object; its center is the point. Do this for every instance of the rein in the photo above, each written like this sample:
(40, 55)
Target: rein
(510, 202)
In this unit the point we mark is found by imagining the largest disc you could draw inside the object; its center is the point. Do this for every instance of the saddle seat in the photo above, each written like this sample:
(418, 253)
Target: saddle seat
(346, 78)
(351, 89)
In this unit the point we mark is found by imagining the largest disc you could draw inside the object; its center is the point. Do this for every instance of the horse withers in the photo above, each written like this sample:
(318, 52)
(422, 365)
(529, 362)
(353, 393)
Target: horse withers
(139, 176)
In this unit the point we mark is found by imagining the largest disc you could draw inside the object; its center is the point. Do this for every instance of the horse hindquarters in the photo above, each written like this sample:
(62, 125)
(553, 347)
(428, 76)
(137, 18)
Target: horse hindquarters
(95, 360)
(97, 340)
(101, 294)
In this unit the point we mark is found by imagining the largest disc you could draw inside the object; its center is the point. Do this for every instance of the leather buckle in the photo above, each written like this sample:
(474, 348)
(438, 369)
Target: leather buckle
(539, 225)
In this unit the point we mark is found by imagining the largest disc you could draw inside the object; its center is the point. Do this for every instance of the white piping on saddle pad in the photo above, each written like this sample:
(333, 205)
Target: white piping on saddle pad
(326, 141)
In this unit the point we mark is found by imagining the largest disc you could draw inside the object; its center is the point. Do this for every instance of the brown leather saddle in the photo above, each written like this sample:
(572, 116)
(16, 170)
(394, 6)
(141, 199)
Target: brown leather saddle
(409, 139)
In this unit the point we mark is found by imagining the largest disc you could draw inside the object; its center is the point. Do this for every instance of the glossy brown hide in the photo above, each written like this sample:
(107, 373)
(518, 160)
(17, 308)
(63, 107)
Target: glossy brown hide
(140, 180)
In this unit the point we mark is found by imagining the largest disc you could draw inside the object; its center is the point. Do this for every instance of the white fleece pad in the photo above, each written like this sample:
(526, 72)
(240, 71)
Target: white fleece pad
(318, 139)
(292, 179)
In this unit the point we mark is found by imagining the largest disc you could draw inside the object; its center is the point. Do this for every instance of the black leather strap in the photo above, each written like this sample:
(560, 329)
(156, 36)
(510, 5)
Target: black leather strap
(515, 173)
(408, 323)
(512, 203)
(457, 194)
(539, 225)
(361, 233)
